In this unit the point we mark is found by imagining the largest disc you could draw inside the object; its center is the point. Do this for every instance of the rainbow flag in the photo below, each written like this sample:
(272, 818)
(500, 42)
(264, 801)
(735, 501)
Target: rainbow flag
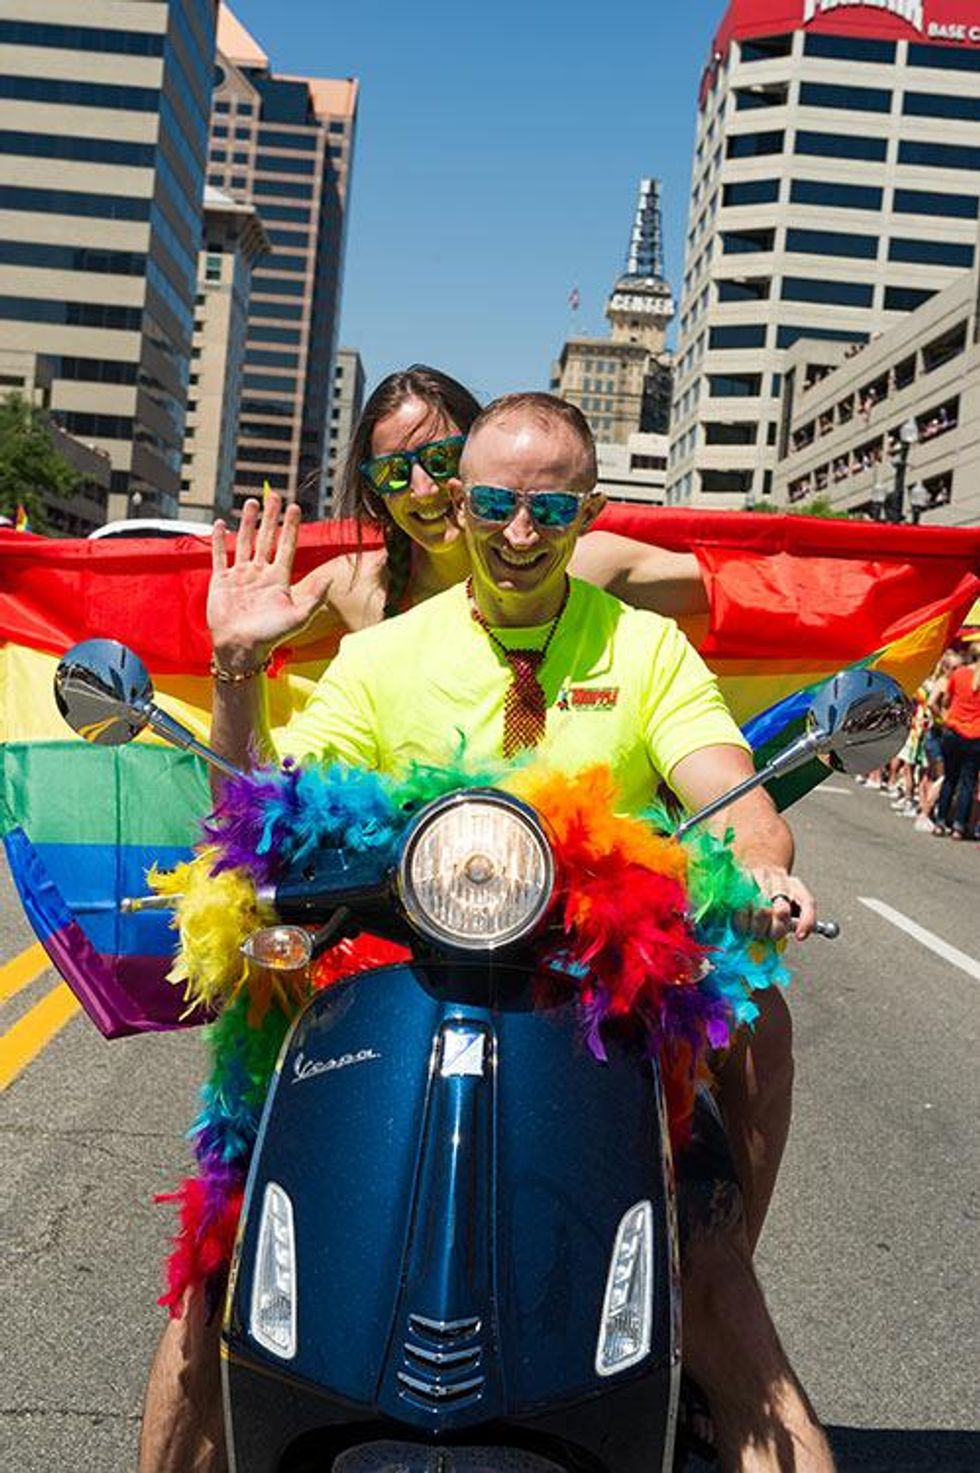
(793, 599)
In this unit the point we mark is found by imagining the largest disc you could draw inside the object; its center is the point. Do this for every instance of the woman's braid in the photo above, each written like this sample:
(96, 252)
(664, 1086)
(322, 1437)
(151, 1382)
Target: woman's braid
(398, 567)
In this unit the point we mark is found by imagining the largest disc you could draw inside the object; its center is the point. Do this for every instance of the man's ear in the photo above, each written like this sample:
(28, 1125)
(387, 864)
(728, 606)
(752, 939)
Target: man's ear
(455, 487)
(593, 507)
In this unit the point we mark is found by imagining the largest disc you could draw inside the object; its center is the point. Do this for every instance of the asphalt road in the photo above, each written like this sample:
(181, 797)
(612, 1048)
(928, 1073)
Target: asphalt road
(870, 1258)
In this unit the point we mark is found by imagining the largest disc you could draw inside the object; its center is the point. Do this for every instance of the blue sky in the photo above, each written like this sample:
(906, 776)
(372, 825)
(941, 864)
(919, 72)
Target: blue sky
(498, 153)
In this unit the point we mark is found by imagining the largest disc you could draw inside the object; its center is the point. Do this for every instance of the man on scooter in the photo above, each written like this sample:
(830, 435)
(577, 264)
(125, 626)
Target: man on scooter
(497, 664)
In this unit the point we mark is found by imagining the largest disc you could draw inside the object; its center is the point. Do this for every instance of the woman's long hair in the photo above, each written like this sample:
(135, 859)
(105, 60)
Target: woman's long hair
(358, 498)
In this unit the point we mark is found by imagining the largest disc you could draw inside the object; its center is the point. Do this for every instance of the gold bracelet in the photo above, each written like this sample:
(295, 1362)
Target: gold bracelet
(227, 677)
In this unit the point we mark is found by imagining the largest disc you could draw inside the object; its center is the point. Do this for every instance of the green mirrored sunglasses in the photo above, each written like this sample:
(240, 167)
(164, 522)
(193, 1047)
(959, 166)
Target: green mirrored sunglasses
(389, 474)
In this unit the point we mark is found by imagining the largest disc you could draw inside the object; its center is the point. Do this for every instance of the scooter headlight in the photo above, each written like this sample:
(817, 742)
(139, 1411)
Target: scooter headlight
(476, 871)
(272, 1318)
(627, 1311)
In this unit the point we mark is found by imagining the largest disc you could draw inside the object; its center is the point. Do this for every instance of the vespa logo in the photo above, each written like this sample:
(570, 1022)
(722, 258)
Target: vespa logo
(908, 10)
(304, 1068)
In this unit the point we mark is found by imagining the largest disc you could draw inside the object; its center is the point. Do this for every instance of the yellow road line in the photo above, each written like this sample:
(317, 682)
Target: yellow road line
(29, 1035)
(21, 970)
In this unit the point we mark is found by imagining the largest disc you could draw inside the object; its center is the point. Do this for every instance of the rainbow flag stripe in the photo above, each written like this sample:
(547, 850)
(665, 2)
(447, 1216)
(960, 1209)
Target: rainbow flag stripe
(793, 599)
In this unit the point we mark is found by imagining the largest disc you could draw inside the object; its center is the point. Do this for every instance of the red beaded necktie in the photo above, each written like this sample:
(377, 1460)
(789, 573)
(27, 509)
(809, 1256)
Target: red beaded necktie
(525, 706)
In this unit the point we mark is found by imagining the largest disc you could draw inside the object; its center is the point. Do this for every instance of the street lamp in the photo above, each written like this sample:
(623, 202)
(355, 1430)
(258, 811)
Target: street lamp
(908, 436)
(918, 501)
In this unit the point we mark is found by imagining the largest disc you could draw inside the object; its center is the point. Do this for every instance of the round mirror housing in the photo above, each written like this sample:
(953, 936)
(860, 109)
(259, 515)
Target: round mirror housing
(103, 691)
(859, 720)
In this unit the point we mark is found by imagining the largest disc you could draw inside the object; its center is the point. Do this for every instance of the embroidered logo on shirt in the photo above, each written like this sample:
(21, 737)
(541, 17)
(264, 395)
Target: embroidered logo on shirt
(587, 697)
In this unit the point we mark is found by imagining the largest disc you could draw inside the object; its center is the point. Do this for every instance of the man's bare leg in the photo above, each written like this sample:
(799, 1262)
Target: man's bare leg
(763, 1421)
(754, 1090)
(183, 1426)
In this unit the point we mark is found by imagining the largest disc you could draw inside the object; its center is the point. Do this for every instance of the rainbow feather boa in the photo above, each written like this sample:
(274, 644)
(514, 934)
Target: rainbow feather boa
(643, 930)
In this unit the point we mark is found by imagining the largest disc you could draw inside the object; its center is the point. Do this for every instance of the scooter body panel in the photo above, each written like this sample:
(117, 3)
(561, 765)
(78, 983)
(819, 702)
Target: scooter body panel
(458, 1164)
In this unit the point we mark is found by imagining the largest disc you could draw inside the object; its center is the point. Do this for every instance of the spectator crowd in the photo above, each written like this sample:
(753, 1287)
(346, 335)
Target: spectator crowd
(935, 779)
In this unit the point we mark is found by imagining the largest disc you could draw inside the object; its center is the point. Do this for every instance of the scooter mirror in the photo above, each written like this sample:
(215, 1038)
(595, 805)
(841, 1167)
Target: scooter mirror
(103, 691)
(859, 720)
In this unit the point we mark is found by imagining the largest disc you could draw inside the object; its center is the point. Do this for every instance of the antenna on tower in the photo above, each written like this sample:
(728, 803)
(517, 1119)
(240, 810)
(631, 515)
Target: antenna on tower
(646, 256)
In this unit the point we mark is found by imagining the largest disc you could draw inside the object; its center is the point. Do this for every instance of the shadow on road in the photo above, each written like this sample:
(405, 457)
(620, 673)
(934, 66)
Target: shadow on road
(895, 1450)
(904, 1450)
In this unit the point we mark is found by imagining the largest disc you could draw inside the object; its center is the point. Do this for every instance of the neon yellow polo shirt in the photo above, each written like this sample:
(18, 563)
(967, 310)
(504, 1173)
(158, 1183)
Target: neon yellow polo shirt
(622, 686)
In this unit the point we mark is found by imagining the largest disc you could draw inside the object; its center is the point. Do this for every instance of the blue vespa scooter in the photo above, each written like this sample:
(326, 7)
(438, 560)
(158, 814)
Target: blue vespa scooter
(458, 1250)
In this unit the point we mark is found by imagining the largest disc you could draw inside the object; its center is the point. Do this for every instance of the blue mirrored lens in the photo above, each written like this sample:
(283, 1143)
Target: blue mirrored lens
(553, 508)
(493, 503)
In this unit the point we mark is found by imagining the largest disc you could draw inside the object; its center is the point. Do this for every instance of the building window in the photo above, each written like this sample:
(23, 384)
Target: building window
(740, 242)
(905, 372)
(931, 252)
(212, 267)
(258, 478)
(239, 158)
(287, 311)
(238, 181)
(905, 298)
(222, 107)
(848, 48)
(81, 38)
(730, 432)
(752, 145)
(77, 148)
(80, 94)
(219, 155)
(841, 196)
(786, 336)
(931, 202)
(840, 293)
(734, 385)
(305, 142)
(219, 131)
(852, 99)
(948, 345)
(726, 483)
(772, 94)
(744, 289)
(840, 145)
(764, 48)
(936, 105)
(291, 188)
(287, 213)
(939, 155)
(266, 358)
(949, 58)
(737, 335)
(271, 163)
(750, 192)
(267, 333)
(832, 243)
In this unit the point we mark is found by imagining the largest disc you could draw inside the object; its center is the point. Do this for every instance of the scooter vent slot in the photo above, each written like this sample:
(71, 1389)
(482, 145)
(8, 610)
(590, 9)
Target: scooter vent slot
(443, 1329)
(441, 1360)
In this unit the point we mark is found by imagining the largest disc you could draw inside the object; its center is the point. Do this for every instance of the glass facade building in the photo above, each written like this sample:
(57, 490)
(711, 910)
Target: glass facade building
(103, 149)
(285, 145)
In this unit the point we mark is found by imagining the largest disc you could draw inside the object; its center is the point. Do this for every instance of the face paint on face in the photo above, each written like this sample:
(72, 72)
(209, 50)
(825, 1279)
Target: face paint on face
(519, 568)
(424, 509)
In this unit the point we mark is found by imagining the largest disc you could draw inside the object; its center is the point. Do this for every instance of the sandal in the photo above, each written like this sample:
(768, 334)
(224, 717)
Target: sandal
(695, 1428)
(940, 830)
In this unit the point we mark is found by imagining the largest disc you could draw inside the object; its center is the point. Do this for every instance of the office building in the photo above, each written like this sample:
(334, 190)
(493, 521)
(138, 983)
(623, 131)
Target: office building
(636, 471)
(233, 239)
(285, 145)
(835, 189)
(892, 430)
(348, 400)
(30, 376)
(622, 383)
(103, 139)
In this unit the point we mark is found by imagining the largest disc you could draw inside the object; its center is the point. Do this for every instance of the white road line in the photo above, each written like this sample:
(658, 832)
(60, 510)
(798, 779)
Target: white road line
(829, 788)
(967, 964)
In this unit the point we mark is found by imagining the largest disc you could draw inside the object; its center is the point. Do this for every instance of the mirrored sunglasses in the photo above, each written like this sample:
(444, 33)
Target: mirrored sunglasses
(389, 474)
(547, 508)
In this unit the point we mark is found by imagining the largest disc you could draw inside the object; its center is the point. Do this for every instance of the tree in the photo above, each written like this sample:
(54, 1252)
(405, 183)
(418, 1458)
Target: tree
(29, 463)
